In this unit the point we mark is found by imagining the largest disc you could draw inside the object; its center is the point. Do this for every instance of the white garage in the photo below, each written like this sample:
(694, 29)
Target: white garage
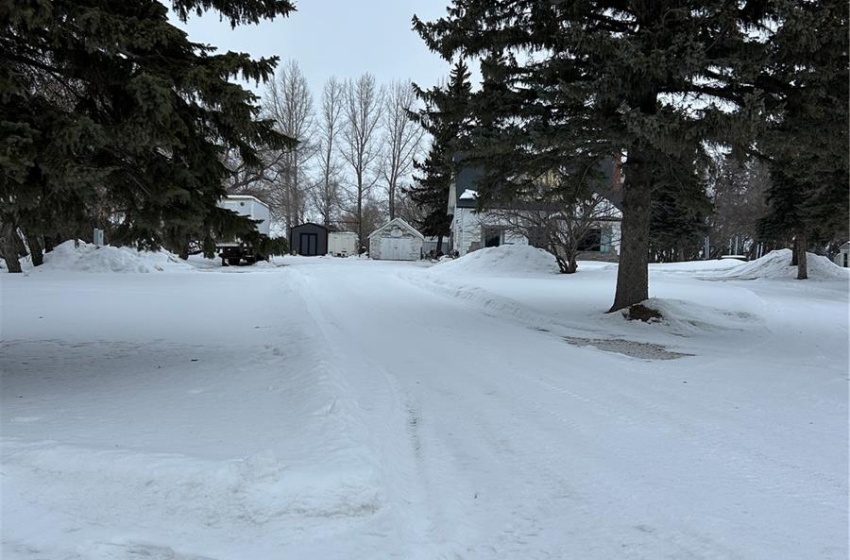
(396, 241)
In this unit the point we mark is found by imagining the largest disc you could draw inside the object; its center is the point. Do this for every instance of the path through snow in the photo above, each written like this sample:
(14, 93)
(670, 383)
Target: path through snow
(344, 408)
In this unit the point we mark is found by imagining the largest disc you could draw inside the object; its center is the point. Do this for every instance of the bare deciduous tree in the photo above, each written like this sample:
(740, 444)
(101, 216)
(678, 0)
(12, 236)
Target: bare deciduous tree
(403, 138)
(563, 229)
(326, 192)
(256, 181)
(373, 215)
(362, 118)
(289, 102)
(738, 192)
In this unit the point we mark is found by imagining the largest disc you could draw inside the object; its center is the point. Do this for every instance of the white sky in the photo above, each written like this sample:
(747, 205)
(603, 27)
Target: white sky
(338, 38)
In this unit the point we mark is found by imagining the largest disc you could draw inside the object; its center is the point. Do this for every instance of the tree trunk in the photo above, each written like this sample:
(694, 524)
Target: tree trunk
(633, 272)
(572, 265)
(10, 248)
(795, 251)
(562, 264)
(36, 249)
(802, 265)
(360, 239)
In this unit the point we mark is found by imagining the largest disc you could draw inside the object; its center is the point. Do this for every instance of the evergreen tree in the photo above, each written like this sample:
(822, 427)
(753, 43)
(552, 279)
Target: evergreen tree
(806, 139)
(106, 104)
(576, 81)
(444, 118)
(680, 211)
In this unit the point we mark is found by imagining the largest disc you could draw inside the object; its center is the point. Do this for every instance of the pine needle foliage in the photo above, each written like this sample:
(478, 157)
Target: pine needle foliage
(110, 117)
(568, 83)
(444, 118)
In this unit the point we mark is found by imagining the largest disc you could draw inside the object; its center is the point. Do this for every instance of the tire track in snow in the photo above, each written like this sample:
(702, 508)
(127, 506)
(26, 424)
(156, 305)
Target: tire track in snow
(715, 443)
(391, 417)
(454, 430)
(708, 433)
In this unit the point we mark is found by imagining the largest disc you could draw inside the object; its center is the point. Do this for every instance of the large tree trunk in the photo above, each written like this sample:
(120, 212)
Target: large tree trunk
(11, 240)
(633, 272)
(800, 250)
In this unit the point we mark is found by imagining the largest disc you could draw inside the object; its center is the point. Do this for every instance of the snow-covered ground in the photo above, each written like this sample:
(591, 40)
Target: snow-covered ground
(480, 408)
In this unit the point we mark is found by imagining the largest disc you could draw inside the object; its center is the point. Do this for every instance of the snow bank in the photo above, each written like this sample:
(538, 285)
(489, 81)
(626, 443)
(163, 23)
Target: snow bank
(510, 260)
(687, 318)
(87, 257)
(776, 264)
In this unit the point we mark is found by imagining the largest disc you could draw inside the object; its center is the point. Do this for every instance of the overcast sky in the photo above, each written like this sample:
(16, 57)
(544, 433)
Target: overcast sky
(338, 38)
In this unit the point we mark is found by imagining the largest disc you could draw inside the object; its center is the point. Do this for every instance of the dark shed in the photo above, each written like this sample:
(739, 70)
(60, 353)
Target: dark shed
(309, 239)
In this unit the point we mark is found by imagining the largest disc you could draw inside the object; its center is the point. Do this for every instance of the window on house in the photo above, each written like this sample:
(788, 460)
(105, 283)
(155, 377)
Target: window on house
(592, 240)
(537, 238)
(493, 236)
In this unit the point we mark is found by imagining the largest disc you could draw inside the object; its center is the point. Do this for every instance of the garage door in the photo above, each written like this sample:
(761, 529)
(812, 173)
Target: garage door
(396, 248)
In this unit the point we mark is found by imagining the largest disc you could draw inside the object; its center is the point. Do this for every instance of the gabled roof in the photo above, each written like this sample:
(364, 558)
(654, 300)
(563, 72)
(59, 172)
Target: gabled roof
(398, 222)
(309, 224)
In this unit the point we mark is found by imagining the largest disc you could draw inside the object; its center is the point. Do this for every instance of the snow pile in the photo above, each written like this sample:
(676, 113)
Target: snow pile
(499, 261)
(777, 264)
(687, 318)
(87, 257)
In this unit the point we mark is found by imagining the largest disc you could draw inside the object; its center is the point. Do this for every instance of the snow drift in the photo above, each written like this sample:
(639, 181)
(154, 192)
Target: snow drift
(777, 264)
(86, 257)
(505, 260)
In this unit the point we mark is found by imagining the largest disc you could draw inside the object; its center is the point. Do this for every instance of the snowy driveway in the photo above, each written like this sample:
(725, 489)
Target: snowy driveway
(342, 408)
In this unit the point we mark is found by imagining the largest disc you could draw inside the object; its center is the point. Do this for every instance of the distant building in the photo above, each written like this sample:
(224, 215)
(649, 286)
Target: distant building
(473, 228)
(396, 241)
(309, 240)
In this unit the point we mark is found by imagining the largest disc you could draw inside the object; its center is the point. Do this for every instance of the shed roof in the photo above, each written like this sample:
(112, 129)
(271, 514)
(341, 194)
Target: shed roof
(398, 222)
(309, 224)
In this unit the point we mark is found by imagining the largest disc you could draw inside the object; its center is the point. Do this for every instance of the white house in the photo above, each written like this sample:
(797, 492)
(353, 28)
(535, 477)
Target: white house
(472, 229)
(396, 241)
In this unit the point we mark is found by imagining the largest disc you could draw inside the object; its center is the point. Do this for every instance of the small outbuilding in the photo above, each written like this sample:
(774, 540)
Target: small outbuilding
(396, 241)
(308, 240)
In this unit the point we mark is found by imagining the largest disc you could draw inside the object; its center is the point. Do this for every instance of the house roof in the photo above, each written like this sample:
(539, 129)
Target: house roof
(398, 222)
(243, 197)
(467, 179)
